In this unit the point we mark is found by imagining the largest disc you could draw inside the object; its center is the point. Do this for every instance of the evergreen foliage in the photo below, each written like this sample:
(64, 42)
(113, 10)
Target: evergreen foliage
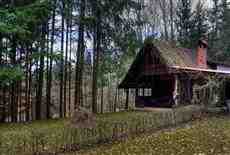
(43, 44)
(200, 26)
(184, 22)
(225, 28)
(20, 24)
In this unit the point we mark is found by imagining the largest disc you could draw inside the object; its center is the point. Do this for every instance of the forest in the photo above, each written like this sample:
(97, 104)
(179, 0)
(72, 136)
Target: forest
(83, 77)
(59, 55)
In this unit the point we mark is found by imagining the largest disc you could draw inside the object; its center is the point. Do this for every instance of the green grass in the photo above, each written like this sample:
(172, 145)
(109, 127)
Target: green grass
(207, 137)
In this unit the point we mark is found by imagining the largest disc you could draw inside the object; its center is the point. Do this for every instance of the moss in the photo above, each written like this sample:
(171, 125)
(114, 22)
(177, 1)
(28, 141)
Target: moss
(169, 51)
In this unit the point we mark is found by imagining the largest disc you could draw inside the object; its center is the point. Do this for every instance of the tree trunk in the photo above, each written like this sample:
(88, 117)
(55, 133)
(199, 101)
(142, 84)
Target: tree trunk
(216, 7)
(27, 85)
(29, 112)
(80, 59)
(163, 9)
(17, 93)
(50, 76)
(2, 91)
(66, 58)
(139, 19)
(171, 19)
(20, 92)
(1, 104)
(70, 59)
(94, 91)
(13, 87)
(4, 104)
(97, 40)
(1, 47)
(40, 76)
(102, 98)
(47, 72)
(62, 63)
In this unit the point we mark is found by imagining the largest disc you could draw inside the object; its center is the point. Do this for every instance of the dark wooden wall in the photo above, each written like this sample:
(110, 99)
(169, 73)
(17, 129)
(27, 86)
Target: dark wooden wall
(162, 88)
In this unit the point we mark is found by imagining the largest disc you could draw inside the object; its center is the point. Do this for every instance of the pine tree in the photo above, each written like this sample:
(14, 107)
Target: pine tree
(40, 79)
(80, 57)
(184, 22)
(199, 23)
(225, 29)
(20, 28)
(62, 60)
(66, 53)
(97, 51)
(215, 22)
(70, 56)
(49, 70)
(219, 32)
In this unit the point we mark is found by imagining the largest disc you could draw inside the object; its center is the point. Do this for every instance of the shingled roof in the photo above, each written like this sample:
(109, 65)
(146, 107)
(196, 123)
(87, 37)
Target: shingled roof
(174, 56)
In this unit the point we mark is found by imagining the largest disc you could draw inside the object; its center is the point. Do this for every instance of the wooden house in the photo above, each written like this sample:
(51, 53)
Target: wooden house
(168, 72)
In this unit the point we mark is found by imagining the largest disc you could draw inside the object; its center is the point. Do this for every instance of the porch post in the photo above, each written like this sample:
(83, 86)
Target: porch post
(136, 96)
(127, 100)
(137, 92)
(176, 93)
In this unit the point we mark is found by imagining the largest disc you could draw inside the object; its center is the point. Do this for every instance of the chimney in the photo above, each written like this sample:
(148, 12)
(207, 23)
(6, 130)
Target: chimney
(202, 53)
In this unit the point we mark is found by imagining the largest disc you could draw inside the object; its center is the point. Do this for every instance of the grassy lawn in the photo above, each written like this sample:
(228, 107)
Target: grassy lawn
(207, 137)
(15, 138)
(56, 136)
(60, 123)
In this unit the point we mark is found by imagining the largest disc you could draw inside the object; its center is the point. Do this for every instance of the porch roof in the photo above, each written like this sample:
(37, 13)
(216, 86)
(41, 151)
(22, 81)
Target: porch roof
(201, 70)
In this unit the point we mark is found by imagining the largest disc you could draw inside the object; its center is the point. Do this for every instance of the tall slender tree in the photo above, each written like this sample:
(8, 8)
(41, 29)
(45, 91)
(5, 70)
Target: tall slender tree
(40, 80)
(97, 51)
(50, 76)
(27, 95)
(68, 9)
(70, 56)
(80, 57)
(172, 19)
(62, 56)
(13, 86)
(164, 7)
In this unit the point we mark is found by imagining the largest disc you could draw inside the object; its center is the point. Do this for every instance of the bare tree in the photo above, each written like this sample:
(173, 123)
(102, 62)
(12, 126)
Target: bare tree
(164, 7)
(172, 18)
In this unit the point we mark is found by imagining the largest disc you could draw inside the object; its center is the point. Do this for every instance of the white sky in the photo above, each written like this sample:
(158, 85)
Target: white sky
(207, 2)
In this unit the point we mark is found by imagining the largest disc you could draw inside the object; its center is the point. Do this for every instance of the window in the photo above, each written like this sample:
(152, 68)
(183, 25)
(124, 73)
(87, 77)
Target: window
(145, 92)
